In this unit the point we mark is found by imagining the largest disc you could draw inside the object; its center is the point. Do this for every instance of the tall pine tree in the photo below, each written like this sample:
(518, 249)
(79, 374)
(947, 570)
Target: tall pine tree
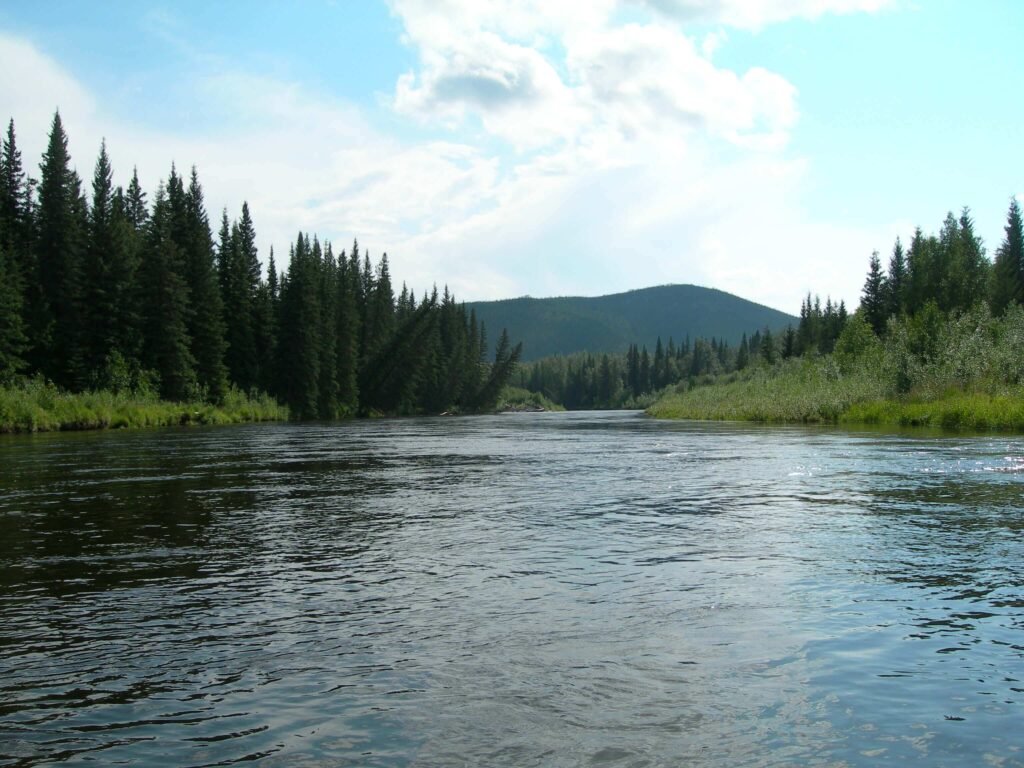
(1008, 271)
(61, 237)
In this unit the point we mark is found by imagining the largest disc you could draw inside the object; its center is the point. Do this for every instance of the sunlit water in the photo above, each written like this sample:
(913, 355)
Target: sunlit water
(554, 589)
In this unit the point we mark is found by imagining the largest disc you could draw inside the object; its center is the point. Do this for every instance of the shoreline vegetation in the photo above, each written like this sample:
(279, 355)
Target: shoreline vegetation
(120, 292)
(34, 405)
(937, 341)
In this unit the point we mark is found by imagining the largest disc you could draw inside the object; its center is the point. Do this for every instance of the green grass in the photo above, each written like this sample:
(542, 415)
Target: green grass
(35, 406)
(818, 393)
(964, 372)
(974, 411)
(797, 392)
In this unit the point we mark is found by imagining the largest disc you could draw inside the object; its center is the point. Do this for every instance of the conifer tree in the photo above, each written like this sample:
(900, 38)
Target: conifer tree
(300, 327)
(873, 296)
(327, 295)
(922, 271)
(12, 335)
(206, 323)
(346, 354)
(99, 308)
(768, 347)
(789, 343)
(968, 268)
(1008, 271)
(16, 239)
(742, 354)
(15, 206)
(135, 203)
(61, 234)
(123, 287)
(166, 346)
(265, 326)
(506, 357)
(379, 312)
(232, 267)
(896, 281)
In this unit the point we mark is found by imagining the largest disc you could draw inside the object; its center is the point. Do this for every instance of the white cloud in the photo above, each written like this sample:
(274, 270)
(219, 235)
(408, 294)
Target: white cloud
(32, 88)
(635, 159)
(500, 62)
(752, 14)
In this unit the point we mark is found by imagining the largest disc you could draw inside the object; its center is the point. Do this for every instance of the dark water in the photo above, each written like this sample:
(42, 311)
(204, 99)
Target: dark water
(556, 589)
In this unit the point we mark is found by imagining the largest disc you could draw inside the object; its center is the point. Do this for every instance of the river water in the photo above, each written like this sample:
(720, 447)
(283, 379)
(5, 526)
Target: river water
(583, 589)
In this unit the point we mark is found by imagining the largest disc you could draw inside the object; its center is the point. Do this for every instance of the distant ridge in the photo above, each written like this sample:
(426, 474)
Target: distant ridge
(611, 323)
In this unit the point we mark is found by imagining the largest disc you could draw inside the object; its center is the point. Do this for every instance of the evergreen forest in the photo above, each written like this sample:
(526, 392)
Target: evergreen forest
(111, 289)
(587, 380)
(565, 325)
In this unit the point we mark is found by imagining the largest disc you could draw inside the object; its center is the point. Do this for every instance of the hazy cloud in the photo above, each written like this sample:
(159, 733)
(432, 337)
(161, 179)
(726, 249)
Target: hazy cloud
(752, 14)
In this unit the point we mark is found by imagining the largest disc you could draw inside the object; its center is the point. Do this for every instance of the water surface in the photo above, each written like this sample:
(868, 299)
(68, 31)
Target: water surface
(555, 589)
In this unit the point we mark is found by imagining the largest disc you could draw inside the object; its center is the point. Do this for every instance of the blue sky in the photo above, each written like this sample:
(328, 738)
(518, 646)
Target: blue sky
(764, 147)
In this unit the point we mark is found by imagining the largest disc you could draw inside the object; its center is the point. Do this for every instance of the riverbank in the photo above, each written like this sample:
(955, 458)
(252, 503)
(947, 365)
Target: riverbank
(34, 406)
(818, 394)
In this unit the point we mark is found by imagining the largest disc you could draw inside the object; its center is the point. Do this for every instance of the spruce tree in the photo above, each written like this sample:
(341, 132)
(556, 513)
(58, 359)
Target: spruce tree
(896, 281)
(379, 313)
(971, 269)
(299, 340)
(346, 354)
(21, 277)
(265, 327)
(99, 305)
(206, 322)
(12, 334)
(327, 387)
(61, 234)
(166, 347)
(1008, 271)
(135, 204)
(873, 296)
(238, 315)
(15, 205)
(123, 286)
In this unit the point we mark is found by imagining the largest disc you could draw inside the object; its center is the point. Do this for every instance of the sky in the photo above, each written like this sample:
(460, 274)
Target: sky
(549, 147)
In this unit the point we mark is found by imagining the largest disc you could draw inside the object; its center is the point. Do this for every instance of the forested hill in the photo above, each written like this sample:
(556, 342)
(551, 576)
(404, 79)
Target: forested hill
(611, 323)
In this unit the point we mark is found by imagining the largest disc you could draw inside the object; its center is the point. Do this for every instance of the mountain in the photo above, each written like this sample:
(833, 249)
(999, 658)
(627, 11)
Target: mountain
(611, 323)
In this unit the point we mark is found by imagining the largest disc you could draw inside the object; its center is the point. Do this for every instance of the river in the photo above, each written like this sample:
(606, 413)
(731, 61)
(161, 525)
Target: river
(581, 589)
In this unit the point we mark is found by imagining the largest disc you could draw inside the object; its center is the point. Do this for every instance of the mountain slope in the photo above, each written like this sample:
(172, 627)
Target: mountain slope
(611, 323)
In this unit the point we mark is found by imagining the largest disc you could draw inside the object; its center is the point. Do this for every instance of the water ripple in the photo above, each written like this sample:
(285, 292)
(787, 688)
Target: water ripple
(552, 589)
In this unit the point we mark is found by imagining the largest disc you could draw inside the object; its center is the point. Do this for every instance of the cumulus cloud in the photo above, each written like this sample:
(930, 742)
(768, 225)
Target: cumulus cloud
(538, 76)
(584, 155)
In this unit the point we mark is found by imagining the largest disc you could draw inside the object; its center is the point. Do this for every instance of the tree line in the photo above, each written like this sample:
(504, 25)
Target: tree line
(110, 291)
(948, 273)
(914, 303)
(584, 380)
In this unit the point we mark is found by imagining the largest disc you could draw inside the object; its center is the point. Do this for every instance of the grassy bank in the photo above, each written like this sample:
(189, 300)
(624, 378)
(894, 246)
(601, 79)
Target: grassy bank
(799, 392)
(789, 399)
(34, 406)
(964, 372)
